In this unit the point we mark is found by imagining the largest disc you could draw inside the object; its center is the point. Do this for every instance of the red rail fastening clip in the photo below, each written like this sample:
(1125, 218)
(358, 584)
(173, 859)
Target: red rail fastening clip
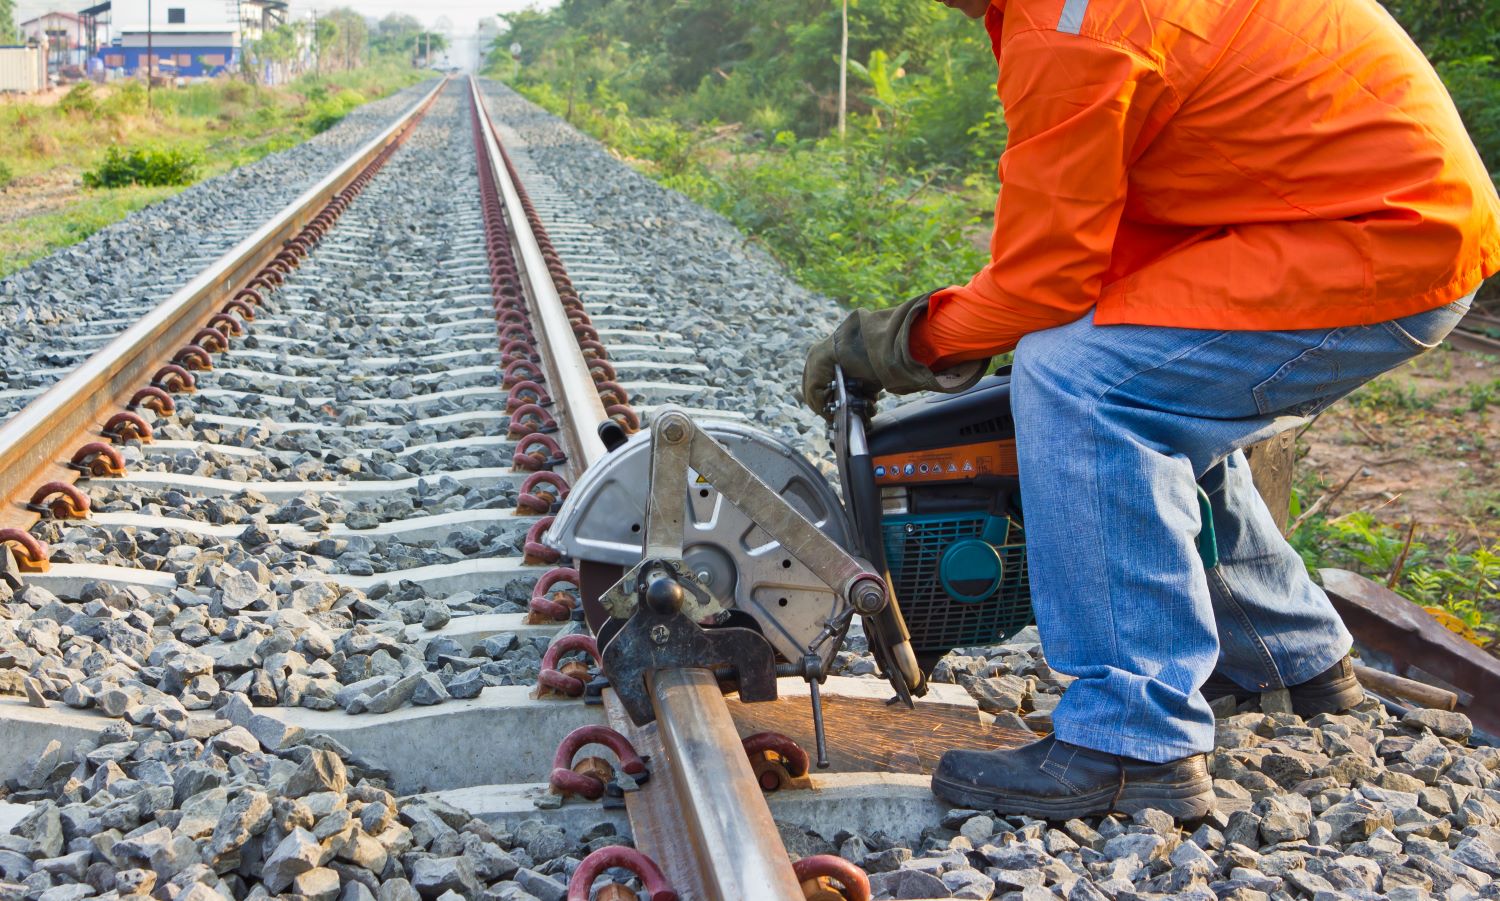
(211, 340)
(536, 553)
(528, 458)
(226, 324)
(778, 762)
(556, 606)
(535, 497)
(572, 676)
(174, 379)
(566, 781)
(245, 311)
(517, 332)
(520, 371)
(529, 418)
(602, 371)
(98, 460)
(249, 294)
(627, 417)
(152, 398)
(126, 426)
(526, 392)
(31, 555)
(193, 357)
(612, 394)
(592, 350)
(608, 856)
(61, 499)
(815, 872)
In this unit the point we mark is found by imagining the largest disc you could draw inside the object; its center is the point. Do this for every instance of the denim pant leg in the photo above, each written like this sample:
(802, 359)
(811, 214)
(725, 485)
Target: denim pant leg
(1114, 424)
(1275, 626)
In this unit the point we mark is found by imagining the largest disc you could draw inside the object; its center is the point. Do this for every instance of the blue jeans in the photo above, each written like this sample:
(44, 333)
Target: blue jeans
(1115, 426)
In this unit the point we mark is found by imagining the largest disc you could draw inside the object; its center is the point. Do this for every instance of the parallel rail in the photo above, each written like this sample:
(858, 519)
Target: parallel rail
(702, 816)
(34, 443)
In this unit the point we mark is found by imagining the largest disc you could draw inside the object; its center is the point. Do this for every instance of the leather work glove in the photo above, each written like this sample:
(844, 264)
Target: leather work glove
(873, 347)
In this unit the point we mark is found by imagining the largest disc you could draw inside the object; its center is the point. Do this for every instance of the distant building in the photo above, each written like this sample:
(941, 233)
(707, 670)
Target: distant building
(187, 37)
(64, 36)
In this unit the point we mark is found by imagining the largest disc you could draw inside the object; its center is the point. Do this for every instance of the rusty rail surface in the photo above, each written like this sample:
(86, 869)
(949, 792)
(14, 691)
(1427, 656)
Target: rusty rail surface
(38, 444)
(702, 816)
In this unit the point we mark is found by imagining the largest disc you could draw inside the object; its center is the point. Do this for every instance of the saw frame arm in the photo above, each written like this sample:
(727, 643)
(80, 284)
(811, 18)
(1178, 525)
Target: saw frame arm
(678, 444)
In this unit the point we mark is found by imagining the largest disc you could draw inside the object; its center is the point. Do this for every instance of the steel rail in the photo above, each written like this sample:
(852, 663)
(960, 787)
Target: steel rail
(703, 810)
(578, 409)
(34, 443)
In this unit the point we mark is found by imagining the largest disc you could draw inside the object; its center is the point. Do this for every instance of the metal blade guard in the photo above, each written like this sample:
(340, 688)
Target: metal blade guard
(715, 532)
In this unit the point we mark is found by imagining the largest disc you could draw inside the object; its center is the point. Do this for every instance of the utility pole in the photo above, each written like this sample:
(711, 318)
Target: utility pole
(150, 56)
(317, 44)
(843, 68)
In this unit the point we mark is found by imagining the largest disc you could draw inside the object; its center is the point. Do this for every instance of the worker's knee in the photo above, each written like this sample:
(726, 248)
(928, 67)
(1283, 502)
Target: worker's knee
(1044, 372)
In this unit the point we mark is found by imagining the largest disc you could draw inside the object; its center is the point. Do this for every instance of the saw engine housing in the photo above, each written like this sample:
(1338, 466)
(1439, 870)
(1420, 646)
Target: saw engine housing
(950, 517)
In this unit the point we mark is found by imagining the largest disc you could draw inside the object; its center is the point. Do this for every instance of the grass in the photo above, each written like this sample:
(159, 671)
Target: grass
(49, 151)
(36, 236)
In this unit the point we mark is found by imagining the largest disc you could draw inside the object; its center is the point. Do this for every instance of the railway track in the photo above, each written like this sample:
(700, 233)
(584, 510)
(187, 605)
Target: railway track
(282, 625)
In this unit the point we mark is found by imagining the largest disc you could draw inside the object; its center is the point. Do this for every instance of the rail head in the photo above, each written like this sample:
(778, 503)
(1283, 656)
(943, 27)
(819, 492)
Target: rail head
(34, 442)
(578, 409)
(713, 832)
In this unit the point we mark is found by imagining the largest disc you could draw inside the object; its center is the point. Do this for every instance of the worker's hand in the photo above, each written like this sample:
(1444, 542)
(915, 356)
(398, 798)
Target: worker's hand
(873, 348)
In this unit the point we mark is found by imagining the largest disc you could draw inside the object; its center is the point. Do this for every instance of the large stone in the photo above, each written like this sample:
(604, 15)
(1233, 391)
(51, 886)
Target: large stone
(322, 771)
(541, 887)
(1445, 723)
(908, 884)
(396, 695)
(1355, 820)
(317, 884)
(293, 856)
(999, 693)
(1284, 818)
(246, 815)
(432, 876)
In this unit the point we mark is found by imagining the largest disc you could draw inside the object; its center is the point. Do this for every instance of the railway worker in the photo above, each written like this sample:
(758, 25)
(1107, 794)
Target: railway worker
(1216, 219)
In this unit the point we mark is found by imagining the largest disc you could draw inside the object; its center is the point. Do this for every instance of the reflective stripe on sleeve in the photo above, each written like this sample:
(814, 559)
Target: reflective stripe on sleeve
(1071, 20)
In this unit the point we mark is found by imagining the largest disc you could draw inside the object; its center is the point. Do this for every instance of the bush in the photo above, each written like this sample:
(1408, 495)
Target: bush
(80, 99)
(143, 166)
(6, 175)
(325, 114)
(128, 99)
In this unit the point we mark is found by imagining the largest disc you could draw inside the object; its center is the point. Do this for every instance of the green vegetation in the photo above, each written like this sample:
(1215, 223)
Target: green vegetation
(150, 166)
(7, 21)
(1459, 578)
(107, 140)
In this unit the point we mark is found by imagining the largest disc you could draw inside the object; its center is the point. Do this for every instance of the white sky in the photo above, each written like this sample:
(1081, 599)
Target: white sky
(463, 14)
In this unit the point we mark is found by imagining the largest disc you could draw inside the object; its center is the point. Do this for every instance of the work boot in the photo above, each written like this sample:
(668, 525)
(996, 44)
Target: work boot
(1054, 780)
(1334, 690)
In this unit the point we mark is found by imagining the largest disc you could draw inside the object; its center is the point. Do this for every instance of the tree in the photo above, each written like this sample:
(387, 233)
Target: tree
(8, 22)
(352, 37)
(325, 41)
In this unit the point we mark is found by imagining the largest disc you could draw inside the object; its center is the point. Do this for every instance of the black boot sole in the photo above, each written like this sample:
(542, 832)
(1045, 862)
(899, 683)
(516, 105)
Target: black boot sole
(1181, 801)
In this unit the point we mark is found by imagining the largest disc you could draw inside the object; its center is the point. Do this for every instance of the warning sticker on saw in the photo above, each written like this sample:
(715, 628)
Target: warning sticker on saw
(966, 461)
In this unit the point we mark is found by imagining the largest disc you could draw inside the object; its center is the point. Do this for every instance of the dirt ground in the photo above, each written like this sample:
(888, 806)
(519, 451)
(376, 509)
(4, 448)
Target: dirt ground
(35, 195)
(1423, 440)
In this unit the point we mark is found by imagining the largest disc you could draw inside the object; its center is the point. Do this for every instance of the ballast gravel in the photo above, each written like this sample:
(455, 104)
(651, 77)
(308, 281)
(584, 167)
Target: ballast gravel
(64, 306)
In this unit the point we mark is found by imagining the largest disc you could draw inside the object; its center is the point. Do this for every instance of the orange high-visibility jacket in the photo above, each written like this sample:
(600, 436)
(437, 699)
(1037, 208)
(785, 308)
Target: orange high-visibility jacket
(1223, 164)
